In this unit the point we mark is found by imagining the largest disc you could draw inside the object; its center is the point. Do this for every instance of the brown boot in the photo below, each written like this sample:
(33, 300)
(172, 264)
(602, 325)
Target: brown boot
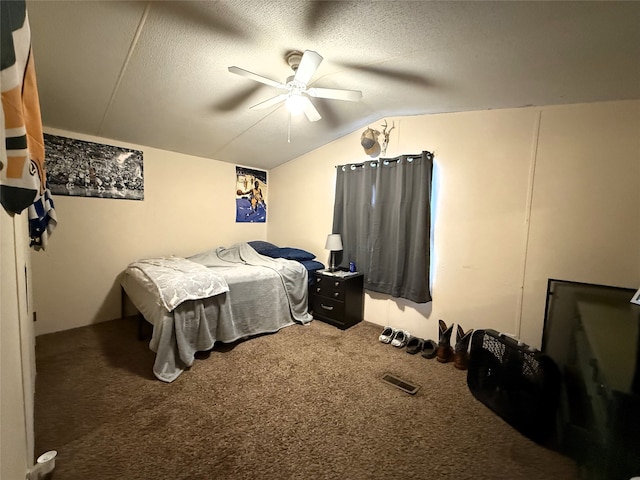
(445, 352)
(461, 353)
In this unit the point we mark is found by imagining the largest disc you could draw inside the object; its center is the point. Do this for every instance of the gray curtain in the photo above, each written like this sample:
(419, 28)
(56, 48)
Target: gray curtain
(383, 212)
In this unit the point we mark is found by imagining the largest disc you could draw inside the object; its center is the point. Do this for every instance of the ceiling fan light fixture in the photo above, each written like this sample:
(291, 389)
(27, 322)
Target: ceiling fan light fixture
(296, 98)
(296, 103)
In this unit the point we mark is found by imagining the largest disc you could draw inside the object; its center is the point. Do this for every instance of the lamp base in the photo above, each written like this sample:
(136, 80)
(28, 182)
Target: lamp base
(332, 266)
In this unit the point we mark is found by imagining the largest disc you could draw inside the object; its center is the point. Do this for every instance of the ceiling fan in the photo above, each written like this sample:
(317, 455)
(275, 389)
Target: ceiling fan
(296, 95)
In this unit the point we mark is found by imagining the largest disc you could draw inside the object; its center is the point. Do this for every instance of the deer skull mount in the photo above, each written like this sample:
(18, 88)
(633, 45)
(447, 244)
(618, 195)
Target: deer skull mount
(385, 133)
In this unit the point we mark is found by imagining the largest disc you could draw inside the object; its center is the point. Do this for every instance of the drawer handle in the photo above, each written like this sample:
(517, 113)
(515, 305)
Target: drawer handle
(326, 307)
(318, 289)
(318, 279)
(337, 294)
(337, 284)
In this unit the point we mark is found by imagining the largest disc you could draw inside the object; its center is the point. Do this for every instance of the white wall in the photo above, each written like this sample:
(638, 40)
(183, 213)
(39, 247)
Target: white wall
(17, 356)
(522, 195)
(188, 207)
(585, 220)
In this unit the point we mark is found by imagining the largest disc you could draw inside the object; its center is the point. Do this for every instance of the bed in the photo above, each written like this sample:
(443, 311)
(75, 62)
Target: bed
(221, 295)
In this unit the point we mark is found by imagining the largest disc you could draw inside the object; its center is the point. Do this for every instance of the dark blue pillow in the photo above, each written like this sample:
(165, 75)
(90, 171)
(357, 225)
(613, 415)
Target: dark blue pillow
(312, 265)
(261, 246)
(289, 253)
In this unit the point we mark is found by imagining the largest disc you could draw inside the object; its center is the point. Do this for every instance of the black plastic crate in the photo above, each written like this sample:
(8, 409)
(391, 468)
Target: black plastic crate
(517, 382)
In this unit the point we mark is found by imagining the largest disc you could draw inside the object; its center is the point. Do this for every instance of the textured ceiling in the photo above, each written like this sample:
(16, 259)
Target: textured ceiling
(155, 73)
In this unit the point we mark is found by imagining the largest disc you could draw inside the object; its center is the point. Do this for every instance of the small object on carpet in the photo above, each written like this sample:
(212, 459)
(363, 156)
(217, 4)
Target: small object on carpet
(387, 334)
(429, 349)
(400, 338)
(401, 384)
(414, 345)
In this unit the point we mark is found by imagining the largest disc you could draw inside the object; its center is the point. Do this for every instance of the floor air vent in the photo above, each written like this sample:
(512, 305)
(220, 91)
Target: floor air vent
(403, 385)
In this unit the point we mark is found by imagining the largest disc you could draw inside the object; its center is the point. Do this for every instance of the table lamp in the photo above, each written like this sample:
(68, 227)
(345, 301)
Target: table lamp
(334, 244)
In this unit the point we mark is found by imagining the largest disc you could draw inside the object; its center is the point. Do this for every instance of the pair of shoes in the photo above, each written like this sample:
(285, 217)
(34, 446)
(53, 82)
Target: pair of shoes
(427, 348)
(400, 339)
(396, 337)
(460, 354)
(387, 334)
(414, 345)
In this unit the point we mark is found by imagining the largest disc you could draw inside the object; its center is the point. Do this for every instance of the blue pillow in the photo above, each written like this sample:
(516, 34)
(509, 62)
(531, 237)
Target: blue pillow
(289, 253)
(261, 246)
(312, 265)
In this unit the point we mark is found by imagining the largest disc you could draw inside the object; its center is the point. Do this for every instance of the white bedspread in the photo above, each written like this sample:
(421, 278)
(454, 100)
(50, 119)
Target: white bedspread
(178, 279)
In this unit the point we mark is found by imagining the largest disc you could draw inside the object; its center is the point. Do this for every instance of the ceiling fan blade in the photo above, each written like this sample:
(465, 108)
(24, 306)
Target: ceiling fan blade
(269, 103)
(335, 94)
(308, 66)
(253, 76)
(310, 111)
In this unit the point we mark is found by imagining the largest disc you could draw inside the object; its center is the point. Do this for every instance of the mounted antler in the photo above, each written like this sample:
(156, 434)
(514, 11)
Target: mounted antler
(385, 134)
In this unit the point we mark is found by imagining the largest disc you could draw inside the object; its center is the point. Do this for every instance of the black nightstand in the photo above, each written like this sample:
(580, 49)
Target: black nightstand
(338, 300)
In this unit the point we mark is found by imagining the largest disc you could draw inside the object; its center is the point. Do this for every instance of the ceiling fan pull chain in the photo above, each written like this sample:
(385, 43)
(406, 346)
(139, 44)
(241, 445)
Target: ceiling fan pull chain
(289, 128)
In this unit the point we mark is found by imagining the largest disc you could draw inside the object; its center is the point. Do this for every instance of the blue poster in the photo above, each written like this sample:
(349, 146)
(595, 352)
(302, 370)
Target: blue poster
(251, 195)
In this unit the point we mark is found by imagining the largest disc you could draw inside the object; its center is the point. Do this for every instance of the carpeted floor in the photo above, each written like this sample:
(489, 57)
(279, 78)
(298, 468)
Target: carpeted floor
(306, 402)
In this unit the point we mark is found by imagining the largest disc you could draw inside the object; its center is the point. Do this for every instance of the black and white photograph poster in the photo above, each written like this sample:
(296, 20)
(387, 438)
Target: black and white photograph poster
(87, 169)
(251, 195)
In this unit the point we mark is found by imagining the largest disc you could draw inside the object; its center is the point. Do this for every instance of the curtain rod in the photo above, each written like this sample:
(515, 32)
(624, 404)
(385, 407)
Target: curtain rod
(386, 161)
(377, 161)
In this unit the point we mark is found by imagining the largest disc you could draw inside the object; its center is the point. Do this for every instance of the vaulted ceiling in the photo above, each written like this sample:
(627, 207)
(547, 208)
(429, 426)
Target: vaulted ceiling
(156, 73)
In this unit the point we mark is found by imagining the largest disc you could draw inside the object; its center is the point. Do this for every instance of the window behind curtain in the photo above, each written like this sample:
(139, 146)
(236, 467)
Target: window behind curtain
(382, 211)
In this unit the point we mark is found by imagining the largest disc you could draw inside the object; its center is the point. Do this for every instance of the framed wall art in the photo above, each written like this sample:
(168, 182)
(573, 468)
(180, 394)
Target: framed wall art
(87, 169)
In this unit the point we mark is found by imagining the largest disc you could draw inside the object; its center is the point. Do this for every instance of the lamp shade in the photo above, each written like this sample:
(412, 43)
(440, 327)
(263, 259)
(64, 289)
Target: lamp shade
(334, 242)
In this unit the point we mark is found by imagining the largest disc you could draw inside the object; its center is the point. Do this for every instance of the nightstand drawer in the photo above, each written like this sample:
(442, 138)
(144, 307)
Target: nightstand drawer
(333, 290)
(327, 307)
(329, 287)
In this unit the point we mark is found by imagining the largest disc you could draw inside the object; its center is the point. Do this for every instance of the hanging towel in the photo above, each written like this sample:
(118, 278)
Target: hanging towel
(22, 176)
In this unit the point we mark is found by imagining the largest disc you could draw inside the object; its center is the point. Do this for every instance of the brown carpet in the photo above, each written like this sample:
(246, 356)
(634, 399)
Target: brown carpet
(306, 402)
